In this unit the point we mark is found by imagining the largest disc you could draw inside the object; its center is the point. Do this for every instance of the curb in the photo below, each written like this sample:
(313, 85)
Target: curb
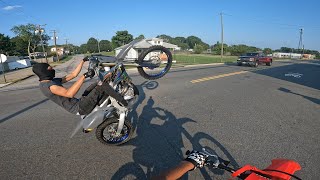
(17, 80)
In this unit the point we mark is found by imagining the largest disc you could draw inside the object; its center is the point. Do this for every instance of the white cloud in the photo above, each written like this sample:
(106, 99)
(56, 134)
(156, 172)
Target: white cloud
(8, 8)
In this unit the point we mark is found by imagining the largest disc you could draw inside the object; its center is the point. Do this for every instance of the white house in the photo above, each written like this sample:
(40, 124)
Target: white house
(286, 55)
(144, 44)
(60, 50)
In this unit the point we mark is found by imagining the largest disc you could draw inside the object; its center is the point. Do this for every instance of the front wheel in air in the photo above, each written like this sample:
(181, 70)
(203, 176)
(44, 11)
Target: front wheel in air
(106, 132)
(154, 62)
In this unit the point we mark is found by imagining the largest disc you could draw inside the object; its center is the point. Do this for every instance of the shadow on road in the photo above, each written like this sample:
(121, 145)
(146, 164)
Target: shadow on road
(309, 78)
(22, 111)
(314, 100)
(159, 142)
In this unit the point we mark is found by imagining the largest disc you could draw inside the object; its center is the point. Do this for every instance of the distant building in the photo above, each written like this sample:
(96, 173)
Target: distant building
(60, 50)
(144, 44)
(286, 55)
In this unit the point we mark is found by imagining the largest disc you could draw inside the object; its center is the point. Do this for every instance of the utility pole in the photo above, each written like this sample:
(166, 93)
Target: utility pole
(221, 19)
(67, 45)
(300, 46)
(98, 45)
(55, 42)
(40, 30)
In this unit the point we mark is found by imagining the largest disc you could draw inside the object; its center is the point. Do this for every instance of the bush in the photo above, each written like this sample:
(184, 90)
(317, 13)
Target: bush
(198, 49)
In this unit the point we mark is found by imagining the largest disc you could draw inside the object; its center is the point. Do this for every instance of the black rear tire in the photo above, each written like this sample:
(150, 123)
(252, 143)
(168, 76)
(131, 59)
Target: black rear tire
(143, 73)
(112, 124)
(269, 63)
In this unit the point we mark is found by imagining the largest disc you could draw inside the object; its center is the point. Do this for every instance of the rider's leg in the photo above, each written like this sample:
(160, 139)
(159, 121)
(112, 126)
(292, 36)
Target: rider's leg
(87, 103)
(105, 87)
(89, 89)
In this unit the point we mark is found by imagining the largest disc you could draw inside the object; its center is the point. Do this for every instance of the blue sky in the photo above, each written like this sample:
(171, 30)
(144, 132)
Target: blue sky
(272, 23)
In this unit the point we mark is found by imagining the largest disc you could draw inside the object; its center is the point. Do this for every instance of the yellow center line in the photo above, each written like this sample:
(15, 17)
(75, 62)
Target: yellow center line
(218, 76)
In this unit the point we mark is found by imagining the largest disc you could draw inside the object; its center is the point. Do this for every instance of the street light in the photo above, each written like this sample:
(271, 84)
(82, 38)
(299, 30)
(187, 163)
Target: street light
(39, 30)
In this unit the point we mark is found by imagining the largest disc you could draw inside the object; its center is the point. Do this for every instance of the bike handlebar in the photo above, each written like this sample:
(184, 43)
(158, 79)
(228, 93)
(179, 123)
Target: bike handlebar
(215, 161)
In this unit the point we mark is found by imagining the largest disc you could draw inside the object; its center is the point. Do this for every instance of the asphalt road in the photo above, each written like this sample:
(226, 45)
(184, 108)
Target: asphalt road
(246, 115)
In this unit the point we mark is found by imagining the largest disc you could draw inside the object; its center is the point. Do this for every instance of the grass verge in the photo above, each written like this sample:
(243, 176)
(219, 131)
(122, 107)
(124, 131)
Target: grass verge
(189, 59)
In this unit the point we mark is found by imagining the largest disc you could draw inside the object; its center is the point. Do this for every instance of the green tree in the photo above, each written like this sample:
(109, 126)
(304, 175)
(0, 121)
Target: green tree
(285, 49)
(267, 51)
(198, 49)
(193, 41)
(83, 49)
(19, 46)
(181, 42)
(27, 34)
(216, 48)
(240, 49)
(141, 36)
(6, 45)
(165, 38)
(105, 45)
(92, 45)
(74, 49)
(121, 38)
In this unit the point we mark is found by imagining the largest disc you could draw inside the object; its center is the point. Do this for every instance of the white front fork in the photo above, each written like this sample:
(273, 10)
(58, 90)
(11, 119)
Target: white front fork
(121, 123)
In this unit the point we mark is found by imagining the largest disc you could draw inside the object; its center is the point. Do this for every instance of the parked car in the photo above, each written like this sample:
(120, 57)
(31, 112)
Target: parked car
(254, 59)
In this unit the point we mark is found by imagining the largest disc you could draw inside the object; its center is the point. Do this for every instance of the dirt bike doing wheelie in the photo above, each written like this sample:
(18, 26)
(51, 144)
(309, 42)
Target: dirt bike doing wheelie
(280, 169)
(108, 118)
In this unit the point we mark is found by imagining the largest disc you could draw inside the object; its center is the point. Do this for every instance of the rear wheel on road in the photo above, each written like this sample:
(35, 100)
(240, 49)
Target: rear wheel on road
(256, 64)
(239, 64)
(269, 63)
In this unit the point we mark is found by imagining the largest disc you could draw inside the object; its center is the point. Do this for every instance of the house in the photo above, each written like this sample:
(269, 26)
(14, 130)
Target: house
(286, 55)
(308, 56)
(145, 44)
(60, 50)
(13, 62)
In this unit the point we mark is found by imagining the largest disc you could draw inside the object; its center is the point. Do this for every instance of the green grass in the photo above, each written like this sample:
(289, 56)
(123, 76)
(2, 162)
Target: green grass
(111, 53)
(202, 59)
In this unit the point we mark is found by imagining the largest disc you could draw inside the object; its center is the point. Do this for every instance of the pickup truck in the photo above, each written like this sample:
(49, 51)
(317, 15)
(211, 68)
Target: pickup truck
(254, 59)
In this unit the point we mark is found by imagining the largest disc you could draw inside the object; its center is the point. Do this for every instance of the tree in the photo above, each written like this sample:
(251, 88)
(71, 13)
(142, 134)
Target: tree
(267, 51)
(121, 38)
(286, 49)
(19, 46)
(141, 36)
(198, 49)
(193, 40)
(73, 49)
(240, 49)
(83, 49)
(92, 45)
(181, 42)
(27, 34)
(216, 48)
(165, 38)
(105, 45)
(5, 44)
